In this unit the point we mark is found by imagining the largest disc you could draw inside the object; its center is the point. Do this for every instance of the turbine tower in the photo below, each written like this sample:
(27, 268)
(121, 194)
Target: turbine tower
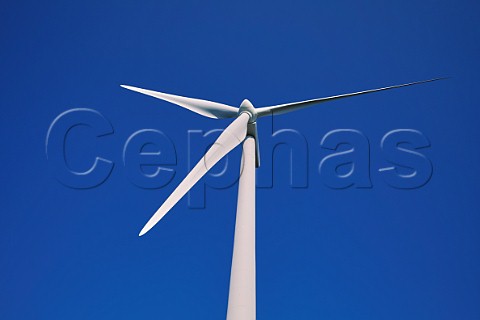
(241, 299)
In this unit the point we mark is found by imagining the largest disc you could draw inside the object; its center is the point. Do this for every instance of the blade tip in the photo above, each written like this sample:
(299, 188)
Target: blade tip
(440, 78)
(131, 88)
(143, 231)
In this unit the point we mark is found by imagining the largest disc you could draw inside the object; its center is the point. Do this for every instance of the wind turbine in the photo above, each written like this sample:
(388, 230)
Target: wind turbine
(241, 299)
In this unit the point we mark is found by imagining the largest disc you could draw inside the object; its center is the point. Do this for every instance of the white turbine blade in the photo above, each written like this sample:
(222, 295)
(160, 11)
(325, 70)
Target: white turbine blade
(232, 136)
(288, 107)
(205, 108)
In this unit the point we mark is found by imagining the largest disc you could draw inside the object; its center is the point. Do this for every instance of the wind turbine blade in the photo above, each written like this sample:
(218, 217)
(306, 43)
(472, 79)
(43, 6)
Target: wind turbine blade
(205, 108)
(232, 136)
(288, 107)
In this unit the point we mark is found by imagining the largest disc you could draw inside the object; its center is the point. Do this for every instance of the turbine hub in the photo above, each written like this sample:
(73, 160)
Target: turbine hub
(248, 107)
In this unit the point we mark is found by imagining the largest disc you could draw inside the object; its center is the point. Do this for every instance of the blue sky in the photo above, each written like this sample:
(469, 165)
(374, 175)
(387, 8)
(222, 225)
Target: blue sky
(357, 253)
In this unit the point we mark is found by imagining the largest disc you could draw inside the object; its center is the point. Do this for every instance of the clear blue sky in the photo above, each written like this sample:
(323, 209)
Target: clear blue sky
(376, 253)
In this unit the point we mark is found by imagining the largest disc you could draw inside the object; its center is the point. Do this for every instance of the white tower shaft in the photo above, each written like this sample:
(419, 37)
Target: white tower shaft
(241, 299)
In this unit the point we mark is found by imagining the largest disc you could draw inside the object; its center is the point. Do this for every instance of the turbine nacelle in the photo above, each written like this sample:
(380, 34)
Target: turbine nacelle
(248, 107)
